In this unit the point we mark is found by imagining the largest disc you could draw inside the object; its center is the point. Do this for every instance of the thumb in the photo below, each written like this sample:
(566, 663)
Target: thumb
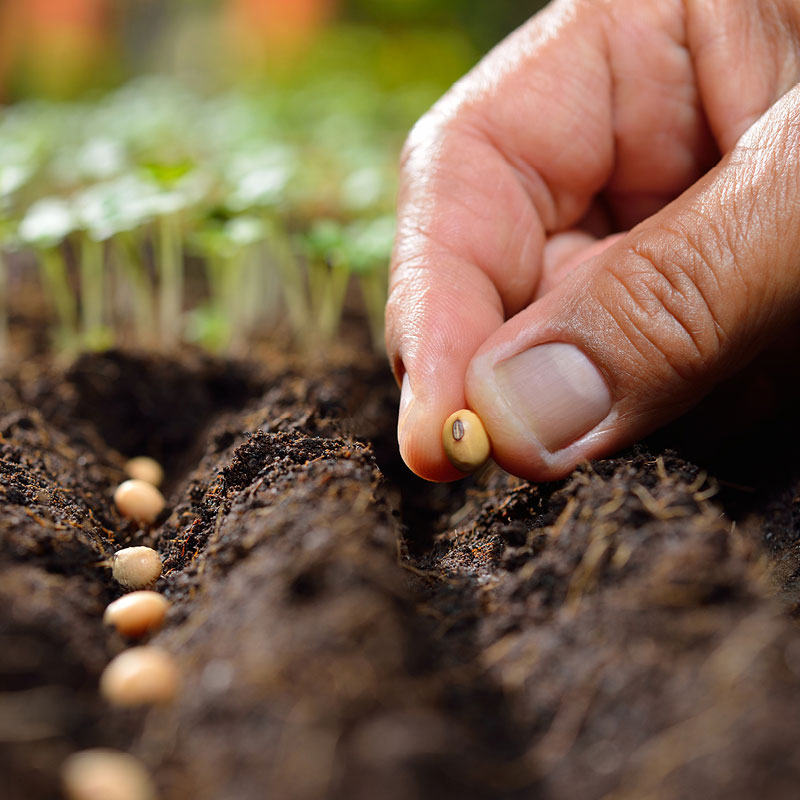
(636, 335)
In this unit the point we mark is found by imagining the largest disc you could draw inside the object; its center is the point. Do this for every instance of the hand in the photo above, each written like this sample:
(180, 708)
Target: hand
(597, 225)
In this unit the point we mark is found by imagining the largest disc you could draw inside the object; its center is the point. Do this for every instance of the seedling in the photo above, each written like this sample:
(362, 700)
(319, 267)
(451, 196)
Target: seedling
(140, 676)
(137, 613)
(114, 191)
(136, 567)
(108, 774)
(370, 246)
(139, 500)
(328, 275)
(170, 263)
(12, 177)
(242, 284)
(47, 223)
(4, 308)
(465, 441)
(144, 468)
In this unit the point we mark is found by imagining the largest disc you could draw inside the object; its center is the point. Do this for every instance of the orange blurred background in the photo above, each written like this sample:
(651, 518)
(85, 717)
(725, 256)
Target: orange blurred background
(62, 48)
(57, 48)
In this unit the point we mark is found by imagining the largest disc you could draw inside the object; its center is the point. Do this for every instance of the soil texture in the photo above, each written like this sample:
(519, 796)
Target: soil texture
(345, 630)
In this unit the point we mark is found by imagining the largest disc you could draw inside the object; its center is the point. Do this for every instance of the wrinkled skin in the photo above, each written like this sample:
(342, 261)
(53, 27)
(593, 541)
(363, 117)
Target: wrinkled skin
(618, 175)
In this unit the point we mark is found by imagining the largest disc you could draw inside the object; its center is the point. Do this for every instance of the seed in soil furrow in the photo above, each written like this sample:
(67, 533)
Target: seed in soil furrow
(139, 500)
(136, 567)
(137, 613)
(105, 775)
(140, 676)
(144, 468)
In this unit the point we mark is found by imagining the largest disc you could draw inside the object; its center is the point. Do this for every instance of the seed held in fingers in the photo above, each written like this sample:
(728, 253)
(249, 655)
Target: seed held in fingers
(136, 567)
(105, 775)
(139, 500)
(137, 613)
(465, 441)
(140, 676)
(144, 468)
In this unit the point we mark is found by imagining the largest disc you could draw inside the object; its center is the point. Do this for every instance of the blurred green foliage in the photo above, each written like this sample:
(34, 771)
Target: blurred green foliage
(483, 23)
(228, 198)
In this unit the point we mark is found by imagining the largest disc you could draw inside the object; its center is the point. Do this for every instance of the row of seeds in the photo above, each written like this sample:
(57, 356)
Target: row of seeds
(139, 675)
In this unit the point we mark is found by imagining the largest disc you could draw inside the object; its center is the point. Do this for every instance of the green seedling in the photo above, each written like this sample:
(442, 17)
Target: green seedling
(370, 246)
(328, 275)
(4, 308)
(13, 177)
(45, 226)
(169, 264)
(224, 321)
(277, 194)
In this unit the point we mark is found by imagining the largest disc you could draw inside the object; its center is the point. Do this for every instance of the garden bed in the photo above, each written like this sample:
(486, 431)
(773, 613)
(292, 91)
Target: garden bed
(346, 630)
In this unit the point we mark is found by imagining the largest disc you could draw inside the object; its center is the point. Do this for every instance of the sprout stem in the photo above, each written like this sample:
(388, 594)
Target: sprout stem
(132, 267)
(225, 289)
(250, 283)
(56, 279)
(170, 261)
(330, 311)
(92, 292)
(294, 290)
(374, 290)
(271, 283)
(4, 308)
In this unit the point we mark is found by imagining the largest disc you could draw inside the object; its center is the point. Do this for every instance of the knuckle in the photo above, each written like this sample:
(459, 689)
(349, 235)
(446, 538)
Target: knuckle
(668, 299)
(427, 138)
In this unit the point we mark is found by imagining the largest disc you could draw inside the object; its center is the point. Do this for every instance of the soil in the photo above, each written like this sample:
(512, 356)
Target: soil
(345, 630)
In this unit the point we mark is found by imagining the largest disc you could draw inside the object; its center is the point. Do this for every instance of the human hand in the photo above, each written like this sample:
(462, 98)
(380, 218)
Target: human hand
(597, 225)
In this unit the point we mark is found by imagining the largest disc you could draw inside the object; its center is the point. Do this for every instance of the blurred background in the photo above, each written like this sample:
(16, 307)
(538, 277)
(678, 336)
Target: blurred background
(207, 171)
(64, 48)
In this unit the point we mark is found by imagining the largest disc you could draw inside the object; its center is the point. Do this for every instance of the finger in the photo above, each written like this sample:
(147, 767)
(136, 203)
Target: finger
(587, 96)
(472, 220)
(641, 332)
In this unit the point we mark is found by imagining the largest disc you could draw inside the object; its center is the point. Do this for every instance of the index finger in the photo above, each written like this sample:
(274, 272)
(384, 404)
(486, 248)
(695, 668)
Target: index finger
(587, 96)
(473, 217)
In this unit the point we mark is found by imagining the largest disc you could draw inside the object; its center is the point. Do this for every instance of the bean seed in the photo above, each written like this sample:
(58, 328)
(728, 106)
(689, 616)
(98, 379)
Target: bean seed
(139, 500)
(137, 613)
(465, 441)
(146, 469)
(136, 567)
(105, 775)
(140, 676)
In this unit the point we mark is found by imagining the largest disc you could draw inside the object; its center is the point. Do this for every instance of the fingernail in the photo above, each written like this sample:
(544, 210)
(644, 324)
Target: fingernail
(556, 391)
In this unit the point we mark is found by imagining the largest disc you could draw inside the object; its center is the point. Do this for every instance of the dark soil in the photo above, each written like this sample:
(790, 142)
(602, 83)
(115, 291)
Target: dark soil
(345, 630)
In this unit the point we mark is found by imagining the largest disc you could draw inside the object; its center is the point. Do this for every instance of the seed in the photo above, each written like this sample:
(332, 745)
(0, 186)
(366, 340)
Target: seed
(136, 567)
(137, 613)
(465, 441)
(139, 500)
(144, 468)
(105, 775)
(140, 676)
